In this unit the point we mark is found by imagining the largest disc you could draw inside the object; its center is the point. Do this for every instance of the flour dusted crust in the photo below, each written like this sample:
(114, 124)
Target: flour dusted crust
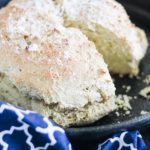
(51, 69)
(107, 24)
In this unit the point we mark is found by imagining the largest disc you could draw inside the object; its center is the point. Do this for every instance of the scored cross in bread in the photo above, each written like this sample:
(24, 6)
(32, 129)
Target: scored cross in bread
(106, 23)
(51, 69)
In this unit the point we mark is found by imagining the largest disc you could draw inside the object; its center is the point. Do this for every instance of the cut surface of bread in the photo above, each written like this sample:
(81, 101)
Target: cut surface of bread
(106, 23)
(51, 69)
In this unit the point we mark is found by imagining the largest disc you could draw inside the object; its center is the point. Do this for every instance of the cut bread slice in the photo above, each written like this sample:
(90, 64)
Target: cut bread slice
(51, 69)
(106, 23)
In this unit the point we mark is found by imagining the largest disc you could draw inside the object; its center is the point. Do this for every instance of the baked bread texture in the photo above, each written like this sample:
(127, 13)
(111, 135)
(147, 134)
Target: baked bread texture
(106, 23)
(51, 69)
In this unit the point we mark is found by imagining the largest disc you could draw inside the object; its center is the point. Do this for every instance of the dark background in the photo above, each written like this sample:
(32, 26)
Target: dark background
(139, 12)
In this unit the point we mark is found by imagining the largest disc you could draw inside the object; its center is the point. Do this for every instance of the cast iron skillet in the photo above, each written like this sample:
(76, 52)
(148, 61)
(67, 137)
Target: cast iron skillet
(111, 123)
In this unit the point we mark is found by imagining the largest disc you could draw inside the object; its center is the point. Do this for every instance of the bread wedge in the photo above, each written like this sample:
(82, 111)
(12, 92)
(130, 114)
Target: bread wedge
(106, 23)
(51, 69)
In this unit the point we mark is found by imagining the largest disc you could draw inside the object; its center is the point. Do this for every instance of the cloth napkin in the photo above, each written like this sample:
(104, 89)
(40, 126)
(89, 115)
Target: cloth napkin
(27, 130)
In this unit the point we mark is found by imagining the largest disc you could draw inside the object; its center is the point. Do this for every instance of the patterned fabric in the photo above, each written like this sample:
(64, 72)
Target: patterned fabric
(124, 141)
(24, 130)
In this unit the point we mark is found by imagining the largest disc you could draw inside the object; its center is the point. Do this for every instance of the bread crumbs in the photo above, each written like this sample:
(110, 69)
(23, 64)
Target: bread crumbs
(143, 112)
(123, 102)
(145, 92)
(147, 79)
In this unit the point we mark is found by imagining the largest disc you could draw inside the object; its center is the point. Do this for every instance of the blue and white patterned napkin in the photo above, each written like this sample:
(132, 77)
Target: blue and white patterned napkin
(124, 141)
(26, 130)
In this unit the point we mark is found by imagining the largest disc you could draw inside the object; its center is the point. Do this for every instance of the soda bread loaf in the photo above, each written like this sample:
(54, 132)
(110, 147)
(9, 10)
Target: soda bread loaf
(106, 23)
(51, 69)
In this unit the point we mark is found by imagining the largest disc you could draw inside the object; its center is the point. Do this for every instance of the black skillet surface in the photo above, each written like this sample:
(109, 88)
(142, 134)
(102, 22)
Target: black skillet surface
(111, 123)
